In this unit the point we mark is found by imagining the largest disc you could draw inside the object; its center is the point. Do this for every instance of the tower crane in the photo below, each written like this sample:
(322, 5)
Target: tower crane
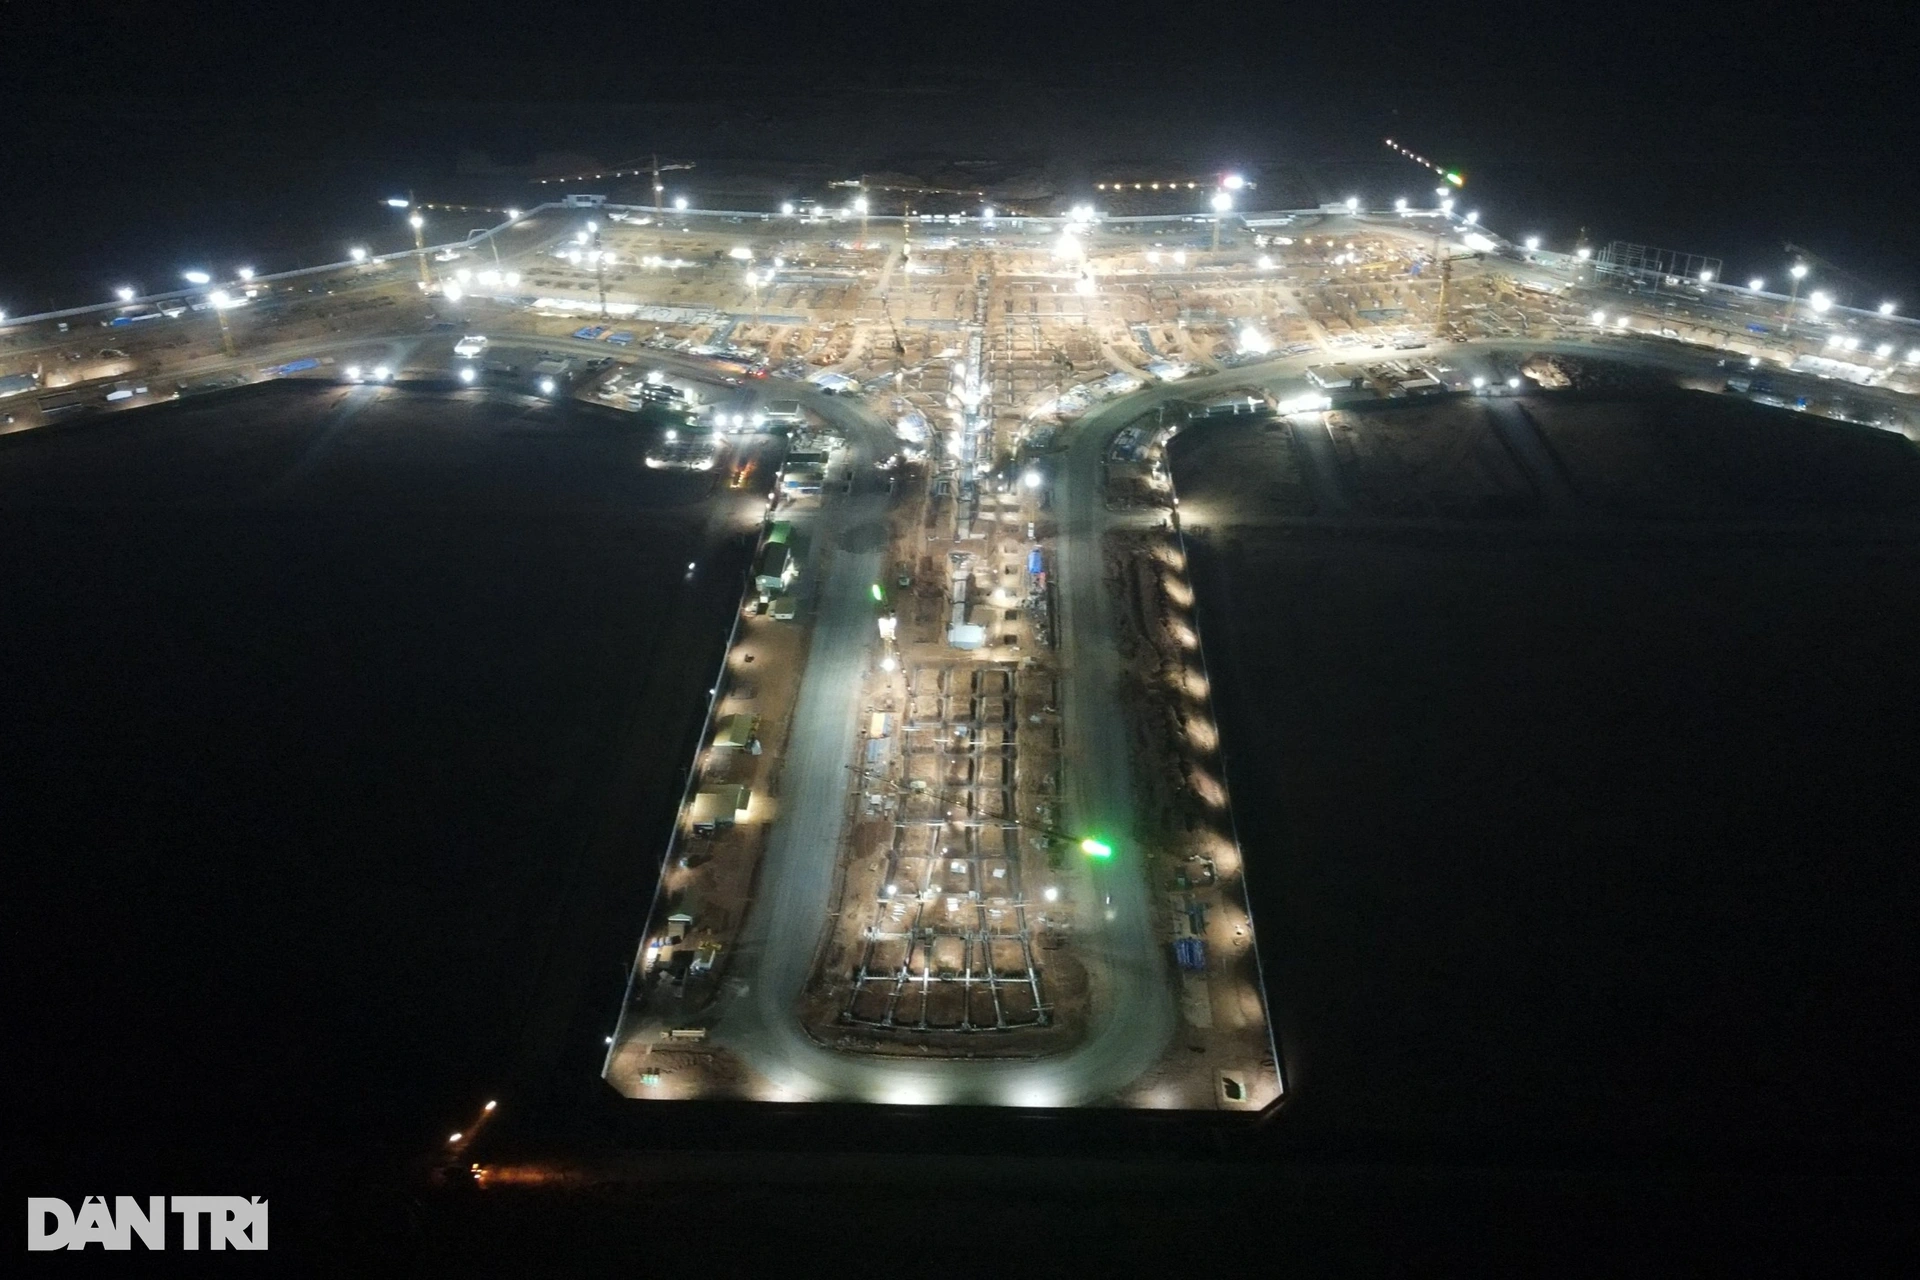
(659, 192)
(1827, 269)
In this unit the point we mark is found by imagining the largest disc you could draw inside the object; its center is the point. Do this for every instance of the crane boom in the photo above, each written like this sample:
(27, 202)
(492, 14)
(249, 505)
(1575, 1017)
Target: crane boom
(1828, 268)
(659, 202)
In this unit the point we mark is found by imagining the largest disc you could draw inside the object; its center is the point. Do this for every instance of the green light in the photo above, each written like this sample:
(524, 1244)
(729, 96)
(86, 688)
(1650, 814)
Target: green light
(1096, 848)
(1453, 176)
(875, 588)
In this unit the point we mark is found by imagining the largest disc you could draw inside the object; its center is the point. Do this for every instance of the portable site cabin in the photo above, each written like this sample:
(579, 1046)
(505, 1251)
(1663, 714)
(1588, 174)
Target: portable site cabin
(775, 570)
(722, 806)
(1334, 377)
(736, 732)
(686, 913)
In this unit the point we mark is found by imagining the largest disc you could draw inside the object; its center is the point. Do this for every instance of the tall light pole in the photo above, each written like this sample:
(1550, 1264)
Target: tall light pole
(1221, 203)
(860, 207)
(754, 280)
(599, 266)
(220, 300)
(1799, 272)
(418, 224)
(493, 238)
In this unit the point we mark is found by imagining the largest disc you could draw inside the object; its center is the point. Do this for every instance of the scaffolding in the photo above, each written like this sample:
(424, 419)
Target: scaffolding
(1621, 263)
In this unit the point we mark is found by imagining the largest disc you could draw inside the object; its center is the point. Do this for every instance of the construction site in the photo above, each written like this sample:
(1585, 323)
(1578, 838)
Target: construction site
(956, 902)
(953, 920)
(945, 389)
(963, 913)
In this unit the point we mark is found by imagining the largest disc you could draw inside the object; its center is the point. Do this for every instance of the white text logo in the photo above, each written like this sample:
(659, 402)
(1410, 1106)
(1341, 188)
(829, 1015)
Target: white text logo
(230, 1222)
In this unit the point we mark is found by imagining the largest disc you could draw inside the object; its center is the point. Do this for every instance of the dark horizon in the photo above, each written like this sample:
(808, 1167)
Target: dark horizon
(196, 177)
(1728, 133)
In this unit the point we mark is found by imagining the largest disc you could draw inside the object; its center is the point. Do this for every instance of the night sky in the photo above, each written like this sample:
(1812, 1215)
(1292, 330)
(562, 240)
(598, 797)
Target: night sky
(1719, 128)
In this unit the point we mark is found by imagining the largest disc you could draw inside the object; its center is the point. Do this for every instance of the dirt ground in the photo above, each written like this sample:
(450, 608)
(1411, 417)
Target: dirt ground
(711, 875)
(1439, 458)
(1596, 836)
(1705, 455)
(1183, 817)
(1250, 466)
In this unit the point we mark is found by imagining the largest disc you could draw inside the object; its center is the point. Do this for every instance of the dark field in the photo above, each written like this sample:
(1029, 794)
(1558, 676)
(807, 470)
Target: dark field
(1583, 836)
(343, 732)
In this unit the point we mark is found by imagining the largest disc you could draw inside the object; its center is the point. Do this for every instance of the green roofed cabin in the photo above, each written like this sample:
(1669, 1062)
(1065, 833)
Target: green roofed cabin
(736, 732)
(717, 807)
